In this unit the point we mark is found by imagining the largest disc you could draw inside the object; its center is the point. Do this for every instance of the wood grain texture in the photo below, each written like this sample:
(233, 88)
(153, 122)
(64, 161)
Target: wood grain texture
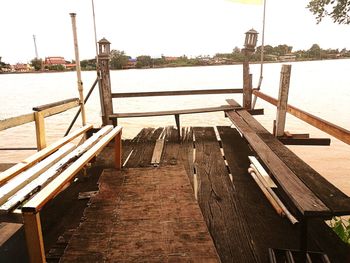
(337, 201)
(219, 204)
(145, 215)
(302, 197)
(16, 121)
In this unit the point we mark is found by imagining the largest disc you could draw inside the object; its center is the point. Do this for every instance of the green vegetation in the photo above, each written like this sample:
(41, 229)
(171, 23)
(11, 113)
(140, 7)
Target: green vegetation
(36, 64)
(342, 228)
(338, 10)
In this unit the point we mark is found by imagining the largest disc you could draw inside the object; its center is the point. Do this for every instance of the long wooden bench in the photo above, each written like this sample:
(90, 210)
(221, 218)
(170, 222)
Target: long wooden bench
(28, 186)
(306, 193)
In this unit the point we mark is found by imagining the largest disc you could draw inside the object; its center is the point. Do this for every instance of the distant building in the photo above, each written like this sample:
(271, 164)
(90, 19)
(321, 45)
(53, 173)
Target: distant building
(20, 67)
(131, 63)
(54, 61)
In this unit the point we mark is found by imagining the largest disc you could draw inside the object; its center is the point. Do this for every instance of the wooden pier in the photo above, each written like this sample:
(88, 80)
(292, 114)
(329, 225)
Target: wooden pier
(149, 213)
(172, 194)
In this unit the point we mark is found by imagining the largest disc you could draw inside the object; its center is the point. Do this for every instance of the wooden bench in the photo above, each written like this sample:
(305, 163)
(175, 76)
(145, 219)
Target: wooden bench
(39, 178)
(305, 192)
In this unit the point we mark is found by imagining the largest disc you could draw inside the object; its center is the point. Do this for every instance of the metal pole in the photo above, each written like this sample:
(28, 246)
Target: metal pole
(97, 62)
(78, 69)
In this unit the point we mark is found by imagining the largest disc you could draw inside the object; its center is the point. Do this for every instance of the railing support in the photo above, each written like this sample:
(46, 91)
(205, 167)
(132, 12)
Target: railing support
(247, 87)
(283, 100)
(40, 130)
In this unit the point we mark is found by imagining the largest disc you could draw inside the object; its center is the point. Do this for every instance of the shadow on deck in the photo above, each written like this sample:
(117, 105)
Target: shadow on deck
(149, 213)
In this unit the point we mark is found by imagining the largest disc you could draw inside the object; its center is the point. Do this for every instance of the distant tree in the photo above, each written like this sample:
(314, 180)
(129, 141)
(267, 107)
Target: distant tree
(236, 50)
(338, 10)
(87, 64)
(144, 62)
(315, 51)
(36, 63)
(118, 59)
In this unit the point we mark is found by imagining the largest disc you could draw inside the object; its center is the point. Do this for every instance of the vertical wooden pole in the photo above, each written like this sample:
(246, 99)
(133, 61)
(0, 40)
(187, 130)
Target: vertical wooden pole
(118, 151)
(247, 91)
(34, 237)
(283, 100)
(177, 120)
(105, 82)
(40, 130)
(78, 69)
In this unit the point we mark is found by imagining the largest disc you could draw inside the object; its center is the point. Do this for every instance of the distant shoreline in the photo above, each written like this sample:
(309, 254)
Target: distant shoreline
(177, 66)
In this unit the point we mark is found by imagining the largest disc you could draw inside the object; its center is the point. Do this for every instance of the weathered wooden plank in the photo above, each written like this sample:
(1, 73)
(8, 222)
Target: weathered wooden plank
(268, 182)
(54, 187)
(60, 108)
(144, 215)
(171, 112)
(337, 201)
(157, 152)
(234, 103)
(31, 160)
(175, 93)
(218, 201)
(302, 197)
(305, 141)
(26, 177)
(52, 172)
(144, 145)
(16, 121)
(272, 230)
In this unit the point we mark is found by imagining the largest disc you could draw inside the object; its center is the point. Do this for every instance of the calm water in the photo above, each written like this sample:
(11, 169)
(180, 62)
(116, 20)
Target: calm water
(321, 88)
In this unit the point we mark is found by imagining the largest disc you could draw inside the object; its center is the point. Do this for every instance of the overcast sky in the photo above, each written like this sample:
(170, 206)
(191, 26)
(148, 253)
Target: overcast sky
(155, 27)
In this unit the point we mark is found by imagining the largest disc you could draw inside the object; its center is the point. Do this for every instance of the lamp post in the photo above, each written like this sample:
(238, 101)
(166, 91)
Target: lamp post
(251, 38)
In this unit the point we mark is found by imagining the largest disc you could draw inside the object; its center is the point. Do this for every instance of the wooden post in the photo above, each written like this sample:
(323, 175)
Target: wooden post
(78, 69)
(105, 81)
(247, 84)
(118, 151)
(34, 237)
(283, 100)
(40, 130)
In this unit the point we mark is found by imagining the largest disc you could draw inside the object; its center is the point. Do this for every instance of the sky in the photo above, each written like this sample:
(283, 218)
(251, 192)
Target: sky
(157, 27)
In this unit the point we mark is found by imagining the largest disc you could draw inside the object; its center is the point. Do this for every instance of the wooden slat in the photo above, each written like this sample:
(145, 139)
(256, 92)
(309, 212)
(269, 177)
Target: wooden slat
(301, 196)
(171, 112)
(267, 179)
(144, 145)
(26, 177)
(31, 160)
(337, 201)
(53, 172)
(175, 93)
(219, 203)
(157, 152)
(53, 188)
(234, 103)
(16, 121)
(305, 141)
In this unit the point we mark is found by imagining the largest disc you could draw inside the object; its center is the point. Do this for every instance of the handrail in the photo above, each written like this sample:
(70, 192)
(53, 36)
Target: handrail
(326, 126)
(175, 93)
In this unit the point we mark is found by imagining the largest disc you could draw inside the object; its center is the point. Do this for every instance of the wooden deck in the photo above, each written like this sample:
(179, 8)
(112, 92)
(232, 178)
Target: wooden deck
(149, 214)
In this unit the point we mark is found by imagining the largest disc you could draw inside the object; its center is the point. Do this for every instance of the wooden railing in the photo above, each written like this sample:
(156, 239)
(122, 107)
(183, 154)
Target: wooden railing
(38, 116)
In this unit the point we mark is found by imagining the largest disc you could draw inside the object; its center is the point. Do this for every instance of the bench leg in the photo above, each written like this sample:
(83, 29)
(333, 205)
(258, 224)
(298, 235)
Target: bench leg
(34, 237)
(118, 151)
(303, 238)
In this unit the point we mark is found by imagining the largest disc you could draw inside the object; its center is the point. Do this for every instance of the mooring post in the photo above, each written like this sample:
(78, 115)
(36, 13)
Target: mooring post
(105, 80)
(282, 100)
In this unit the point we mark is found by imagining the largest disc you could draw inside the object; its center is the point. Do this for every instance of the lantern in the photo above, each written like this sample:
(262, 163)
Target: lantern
(251, 38)
(104, 47)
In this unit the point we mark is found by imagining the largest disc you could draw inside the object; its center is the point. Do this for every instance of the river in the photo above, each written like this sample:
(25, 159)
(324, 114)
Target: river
(319, 87)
